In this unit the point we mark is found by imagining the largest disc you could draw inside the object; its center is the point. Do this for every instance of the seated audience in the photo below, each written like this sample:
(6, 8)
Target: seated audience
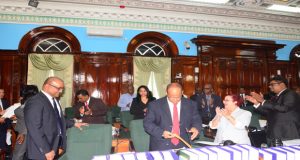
(89, 109)
(139, 104)
(125, 99)
(231, 121)
(20, 148)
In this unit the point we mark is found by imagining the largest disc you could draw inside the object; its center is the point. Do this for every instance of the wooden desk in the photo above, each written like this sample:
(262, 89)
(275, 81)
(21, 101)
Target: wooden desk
(121, 145)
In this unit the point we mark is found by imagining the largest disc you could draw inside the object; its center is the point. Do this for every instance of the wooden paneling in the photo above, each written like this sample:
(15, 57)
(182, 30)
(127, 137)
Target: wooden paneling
(183, 72)
(13, 73)
(103, 75)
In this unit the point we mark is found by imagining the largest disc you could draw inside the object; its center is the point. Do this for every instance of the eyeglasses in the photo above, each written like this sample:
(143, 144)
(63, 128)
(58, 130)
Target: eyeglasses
(58, 88)
(273, 84)
(207, 88)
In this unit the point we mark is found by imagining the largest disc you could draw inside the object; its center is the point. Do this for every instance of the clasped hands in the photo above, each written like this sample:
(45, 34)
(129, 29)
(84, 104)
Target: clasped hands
(222, 112)
(193, 130)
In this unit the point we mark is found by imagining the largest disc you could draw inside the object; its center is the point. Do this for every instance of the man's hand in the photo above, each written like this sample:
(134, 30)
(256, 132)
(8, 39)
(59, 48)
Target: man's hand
(89, 112)
(251, 99)
(258, 97)
(50, 155)
(2, 120)
(194, 132)
(79, 124)
(60, 151)
(20, 138)
(167, 134)
(2, 112)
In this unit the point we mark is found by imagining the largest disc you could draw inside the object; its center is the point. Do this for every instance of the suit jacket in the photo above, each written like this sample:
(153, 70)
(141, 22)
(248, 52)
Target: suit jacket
(4, 126)
(42, 131)
(283, 116)
(203, 106)
(98, 108)
(158, 119)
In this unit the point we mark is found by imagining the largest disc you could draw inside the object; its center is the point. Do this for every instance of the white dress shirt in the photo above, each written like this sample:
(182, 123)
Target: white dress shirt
(125, 101)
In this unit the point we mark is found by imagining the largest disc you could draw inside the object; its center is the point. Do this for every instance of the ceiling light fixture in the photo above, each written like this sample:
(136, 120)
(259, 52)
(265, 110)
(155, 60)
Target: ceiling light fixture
(212, 1)
(284, 8)
(33, 3)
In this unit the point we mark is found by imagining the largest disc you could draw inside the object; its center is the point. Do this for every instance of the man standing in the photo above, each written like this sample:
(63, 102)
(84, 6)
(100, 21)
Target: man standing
(125, 99)
(5, 123)
(169, 116)
(283, 110)
(46, 126)
(207, 103)
(89, 109)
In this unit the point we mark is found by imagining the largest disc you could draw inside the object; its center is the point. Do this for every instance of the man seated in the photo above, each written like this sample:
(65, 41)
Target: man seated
(89, 109)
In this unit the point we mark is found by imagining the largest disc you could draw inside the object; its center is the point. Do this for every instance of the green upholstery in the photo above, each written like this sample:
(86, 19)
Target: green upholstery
(69, 112)
(115, 112)
(139, 137)
(95, 139)
(126, 117)
(109, 118)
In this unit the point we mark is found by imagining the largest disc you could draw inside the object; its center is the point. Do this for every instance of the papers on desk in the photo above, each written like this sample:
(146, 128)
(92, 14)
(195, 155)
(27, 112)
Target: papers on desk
(291, 142)
(10, 111)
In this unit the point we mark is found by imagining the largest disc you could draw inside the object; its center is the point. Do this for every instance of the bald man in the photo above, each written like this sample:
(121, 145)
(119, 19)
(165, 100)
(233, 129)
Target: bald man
(169, 116)
(46, 126)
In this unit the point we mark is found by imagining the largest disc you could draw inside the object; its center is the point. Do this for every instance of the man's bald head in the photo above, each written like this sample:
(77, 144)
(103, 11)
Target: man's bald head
(174, 92)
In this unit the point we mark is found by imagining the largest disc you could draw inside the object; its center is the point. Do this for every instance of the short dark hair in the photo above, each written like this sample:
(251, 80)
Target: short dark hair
(279, 78)
(28, 91)
(82, 92)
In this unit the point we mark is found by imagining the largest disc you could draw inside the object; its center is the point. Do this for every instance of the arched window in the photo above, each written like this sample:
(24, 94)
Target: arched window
(49, 39)
(152, 44)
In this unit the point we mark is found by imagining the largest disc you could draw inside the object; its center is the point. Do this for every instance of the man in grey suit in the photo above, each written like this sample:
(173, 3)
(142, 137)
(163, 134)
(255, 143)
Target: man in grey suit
(169, 116)
(46, 126)
(282, 110)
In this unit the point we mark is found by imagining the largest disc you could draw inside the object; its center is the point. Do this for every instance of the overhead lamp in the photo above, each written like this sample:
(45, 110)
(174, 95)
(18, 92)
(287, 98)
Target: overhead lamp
(33, 3)
(212, 1)
(284, 8)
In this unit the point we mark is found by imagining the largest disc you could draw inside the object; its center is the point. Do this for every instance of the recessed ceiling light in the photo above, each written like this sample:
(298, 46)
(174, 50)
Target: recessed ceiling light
(284, 8)
(211, 1)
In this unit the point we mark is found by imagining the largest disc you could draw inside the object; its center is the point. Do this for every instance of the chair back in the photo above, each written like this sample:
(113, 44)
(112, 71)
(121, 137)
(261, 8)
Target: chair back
(69, 112)
(126, 117)
(95, 139)
(139, 137)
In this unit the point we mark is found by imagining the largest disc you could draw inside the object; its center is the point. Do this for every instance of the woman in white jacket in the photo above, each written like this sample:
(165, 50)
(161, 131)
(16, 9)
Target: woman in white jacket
(231, 121)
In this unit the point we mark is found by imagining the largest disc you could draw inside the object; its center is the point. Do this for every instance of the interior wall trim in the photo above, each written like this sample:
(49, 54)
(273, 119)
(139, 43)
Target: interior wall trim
(203, 27)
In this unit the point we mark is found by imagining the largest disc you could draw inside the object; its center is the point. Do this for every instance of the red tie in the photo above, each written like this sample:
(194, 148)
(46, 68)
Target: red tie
(175, 129)
(87, 106)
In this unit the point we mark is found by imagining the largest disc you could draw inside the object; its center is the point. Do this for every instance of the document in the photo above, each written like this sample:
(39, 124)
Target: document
(10, 111)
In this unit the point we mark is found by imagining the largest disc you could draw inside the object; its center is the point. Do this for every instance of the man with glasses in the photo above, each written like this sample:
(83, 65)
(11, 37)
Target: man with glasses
(207, 102)
(283, 110)
(46, 126)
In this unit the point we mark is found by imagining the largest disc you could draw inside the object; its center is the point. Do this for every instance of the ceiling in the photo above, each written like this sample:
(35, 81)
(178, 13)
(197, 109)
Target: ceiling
(237, 17)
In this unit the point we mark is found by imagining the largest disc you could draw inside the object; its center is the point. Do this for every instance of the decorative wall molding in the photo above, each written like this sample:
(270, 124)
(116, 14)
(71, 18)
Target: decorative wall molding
(150, 19)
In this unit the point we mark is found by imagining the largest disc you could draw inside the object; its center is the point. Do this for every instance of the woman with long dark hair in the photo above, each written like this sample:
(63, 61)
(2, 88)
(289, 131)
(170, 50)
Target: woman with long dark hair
(139, 104)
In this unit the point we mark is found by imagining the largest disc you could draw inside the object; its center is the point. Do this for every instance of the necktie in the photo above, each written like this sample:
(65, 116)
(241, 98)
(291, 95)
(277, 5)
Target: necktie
(59, 121)
(86, 106)
(175, 128)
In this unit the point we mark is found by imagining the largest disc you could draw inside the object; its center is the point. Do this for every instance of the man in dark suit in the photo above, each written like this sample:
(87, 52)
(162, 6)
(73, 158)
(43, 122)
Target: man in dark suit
(283, 110)
(46, 126)
(89, 109)
(171, 115)
(5, 123)
(207, 102)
